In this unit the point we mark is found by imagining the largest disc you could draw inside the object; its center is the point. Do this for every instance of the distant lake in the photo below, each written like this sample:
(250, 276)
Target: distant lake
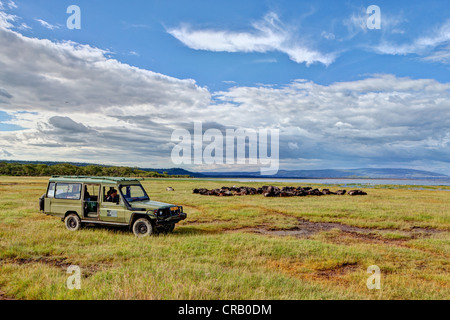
(345, 182)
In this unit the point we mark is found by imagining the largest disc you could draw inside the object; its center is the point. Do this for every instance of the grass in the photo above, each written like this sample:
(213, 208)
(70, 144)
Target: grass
(230, 247)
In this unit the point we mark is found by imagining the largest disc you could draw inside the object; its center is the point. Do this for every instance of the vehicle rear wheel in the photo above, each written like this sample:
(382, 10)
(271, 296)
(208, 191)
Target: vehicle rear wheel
(72, 222)
(142, 227)
(42, 202)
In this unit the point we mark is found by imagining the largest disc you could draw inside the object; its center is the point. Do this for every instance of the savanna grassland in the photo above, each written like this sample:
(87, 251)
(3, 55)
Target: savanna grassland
(242, 247)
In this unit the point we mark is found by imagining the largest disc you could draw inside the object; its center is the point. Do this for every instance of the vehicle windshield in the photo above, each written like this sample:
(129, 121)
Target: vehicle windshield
(134, 193)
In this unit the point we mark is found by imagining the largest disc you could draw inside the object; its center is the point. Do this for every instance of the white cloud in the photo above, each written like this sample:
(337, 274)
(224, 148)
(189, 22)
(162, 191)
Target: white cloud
(6, 20)
(12, 5)
(9, 21)
(267, 35)
(390, 83)
(55, 80)
(381, 118)
(341, 124)
(389, 22)
(47, 25)
(74, 102)
(439, 55)
(4, 154)
(24, 26)
(434, 46)
(356, 23)
(328, 35)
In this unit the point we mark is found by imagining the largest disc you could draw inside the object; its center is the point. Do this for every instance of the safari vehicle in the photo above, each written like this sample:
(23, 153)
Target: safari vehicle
(80, 200)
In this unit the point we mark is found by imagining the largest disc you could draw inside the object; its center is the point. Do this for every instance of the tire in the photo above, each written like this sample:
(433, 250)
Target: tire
(167, 228)
(170, 228)
(142, 227)
(41, 203)
(72, 222)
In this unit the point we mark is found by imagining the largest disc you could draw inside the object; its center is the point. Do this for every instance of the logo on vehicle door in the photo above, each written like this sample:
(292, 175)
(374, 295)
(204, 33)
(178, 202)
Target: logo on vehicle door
(111, 213)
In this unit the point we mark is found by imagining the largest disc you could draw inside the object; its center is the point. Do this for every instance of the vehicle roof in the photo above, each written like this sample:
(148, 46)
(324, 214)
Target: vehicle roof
(92, 179)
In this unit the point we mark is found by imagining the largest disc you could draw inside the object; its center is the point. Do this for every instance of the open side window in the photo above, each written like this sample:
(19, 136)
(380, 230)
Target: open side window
(106, 192)
(111, 195)
(90, 199)
(91, 192)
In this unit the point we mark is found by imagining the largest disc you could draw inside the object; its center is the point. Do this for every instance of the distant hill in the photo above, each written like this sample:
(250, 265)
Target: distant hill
(368, 173)
(379, 173)
(175, 172)
(40, 169)
(52, 163)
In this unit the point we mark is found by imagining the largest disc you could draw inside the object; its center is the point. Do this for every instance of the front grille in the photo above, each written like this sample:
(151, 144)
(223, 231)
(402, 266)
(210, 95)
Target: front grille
(166, 213)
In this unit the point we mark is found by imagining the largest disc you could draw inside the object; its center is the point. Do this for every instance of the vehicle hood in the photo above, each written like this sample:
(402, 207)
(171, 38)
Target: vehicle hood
(150, 204)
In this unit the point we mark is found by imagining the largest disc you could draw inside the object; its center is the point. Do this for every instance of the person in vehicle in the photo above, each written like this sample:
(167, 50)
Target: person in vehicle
(113, 196)
(108, 194)
(87, 196)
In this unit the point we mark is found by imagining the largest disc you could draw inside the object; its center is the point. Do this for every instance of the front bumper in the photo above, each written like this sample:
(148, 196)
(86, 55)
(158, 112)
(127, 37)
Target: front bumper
(172, 219)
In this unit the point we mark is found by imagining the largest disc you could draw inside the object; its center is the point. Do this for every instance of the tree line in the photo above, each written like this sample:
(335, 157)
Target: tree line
(66, 169)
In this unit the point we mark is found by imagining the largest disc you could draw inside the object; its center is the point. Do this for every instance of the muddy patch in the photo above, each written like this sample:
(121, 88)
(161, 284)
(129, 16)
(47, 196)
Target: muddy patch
(44, 260)
(299, 270)
(63, 263)
(295, 232)
(418, 230)
(307, 228)
(3, 296)
(338, 271)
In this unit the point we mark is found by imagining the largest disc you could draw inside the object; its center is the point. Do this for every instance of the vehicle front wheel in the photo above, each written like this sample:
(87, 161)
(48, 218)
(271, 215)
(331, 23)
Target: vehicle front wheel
(142, 227)
(167, 228)
(72, 222)
(170, 228)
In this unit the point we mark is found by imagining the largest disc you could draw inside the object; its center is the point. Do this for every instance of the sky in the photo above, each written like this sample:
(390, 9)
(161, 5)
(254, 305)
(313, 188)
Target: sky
(342, 94)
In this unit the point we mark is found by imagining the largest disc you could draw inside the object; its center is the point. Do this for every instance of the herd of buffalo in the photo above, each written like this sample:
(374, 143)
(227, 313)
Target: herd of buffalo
(271, 191)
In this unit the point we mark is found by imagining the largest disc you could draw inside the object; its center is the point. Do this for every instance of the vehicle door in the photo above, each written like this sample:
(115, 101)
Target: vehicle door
(48, 199)
(111, 211)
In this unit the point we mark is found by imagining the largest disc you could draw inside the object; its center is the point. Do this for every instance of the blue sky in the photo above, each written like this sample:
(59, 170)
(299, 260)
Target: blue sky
(136, 33)
(312, 58)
